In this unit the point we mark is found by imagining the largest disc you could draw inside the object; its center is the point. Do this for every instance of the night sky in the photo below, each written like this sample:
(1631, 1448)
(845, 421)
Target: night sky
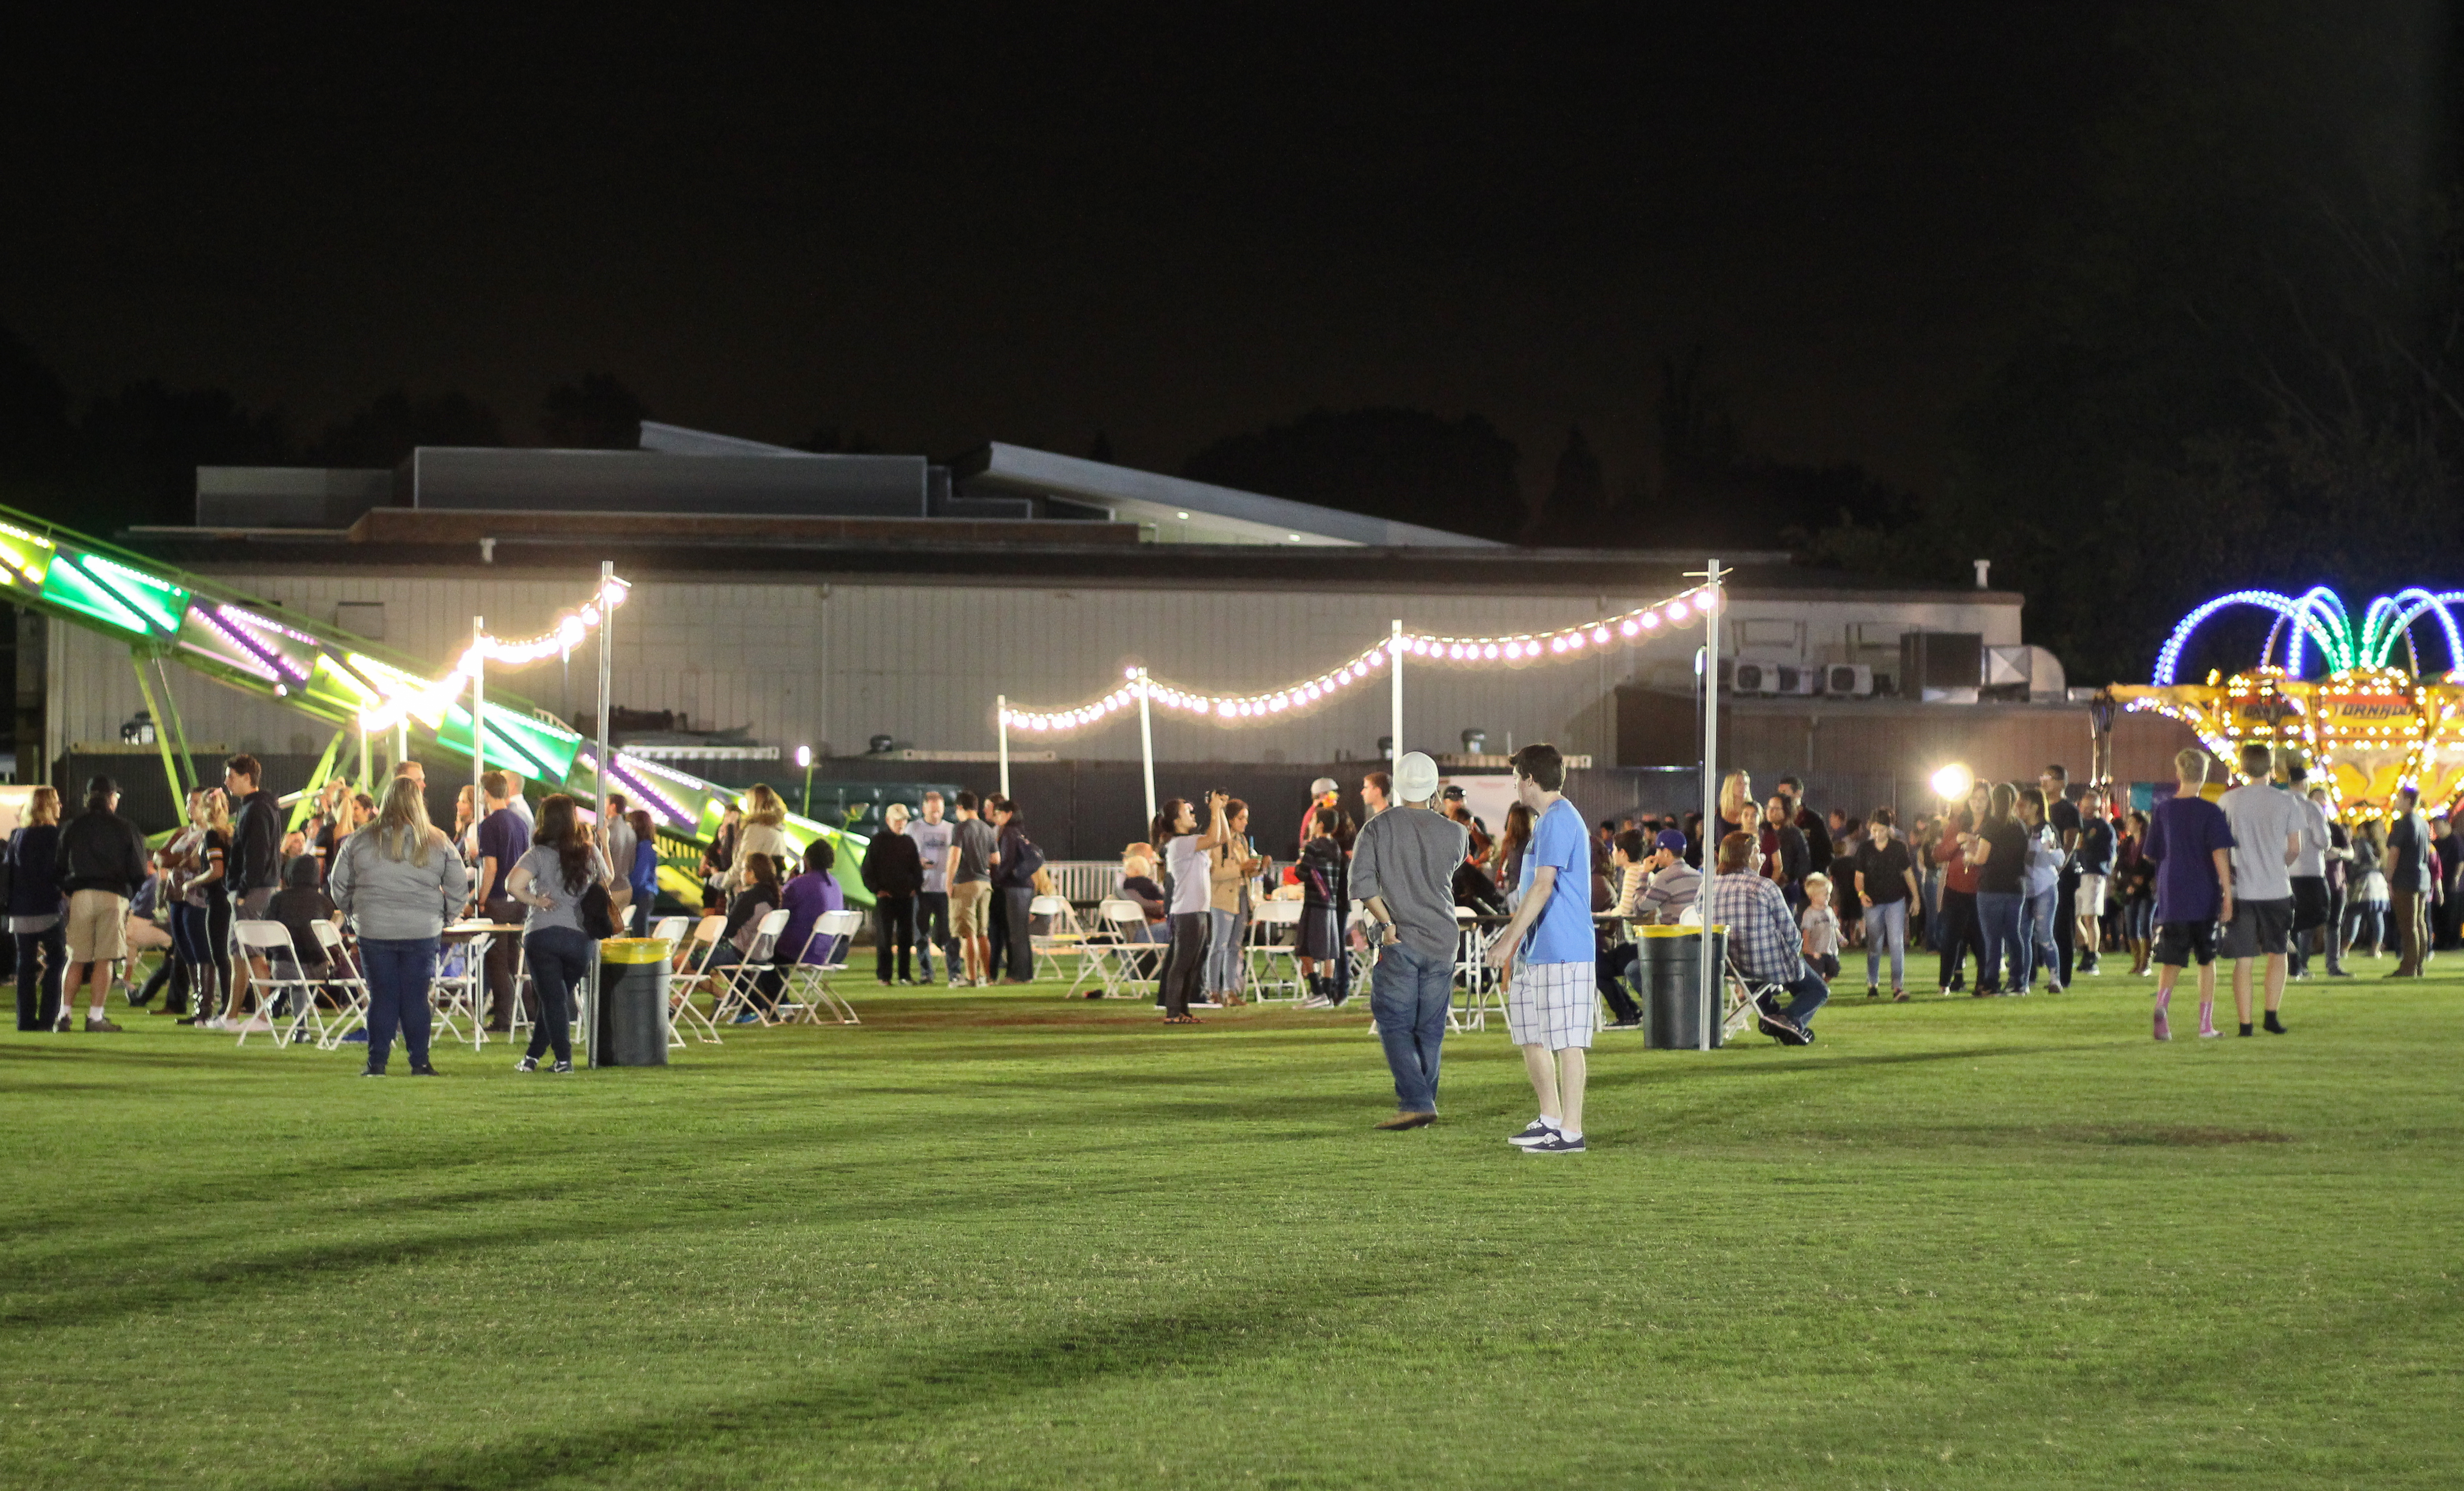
(1162, 225)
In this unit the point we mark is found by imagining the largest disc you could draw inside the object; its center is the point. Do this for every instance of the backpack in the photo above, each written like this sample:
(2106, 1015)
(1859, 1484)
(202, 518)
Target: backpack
(598, 913)
(1030, 859)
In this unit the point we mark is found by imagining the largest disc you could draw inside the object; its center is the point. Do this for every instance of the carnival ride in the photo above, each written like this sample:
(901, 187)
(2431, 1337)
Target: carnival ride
(2368, 724)
(355, 686)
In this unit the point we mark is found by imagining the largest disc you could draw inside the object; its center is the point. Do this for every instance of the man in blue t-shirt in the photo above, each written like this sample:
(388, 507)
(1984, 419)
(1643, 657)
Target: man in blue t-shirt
(504, 838)
(2192, 843)
(1548, 954)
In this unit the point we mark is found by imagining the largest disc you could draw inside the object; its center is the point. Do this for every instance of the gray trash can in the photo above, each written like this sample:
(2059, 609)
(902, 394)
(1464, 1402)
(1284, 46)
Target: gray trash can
(630, 1026)
(1668, 970)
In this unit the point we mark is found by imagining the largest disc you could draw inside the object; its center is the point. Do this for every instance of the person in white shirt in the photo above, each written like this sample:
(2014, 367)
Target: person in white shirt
(2268, 829)
(931, 835)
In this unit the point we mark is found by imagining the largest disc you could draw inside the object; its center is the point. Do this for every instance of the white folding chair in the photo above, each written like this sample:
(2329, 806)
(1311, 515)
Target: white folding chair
(272, 940)
(806, 992)
(683, 1014)
(670, 928)
(1132, 957)
(347, 979)
(1065, 938)
(1275, 928)
(1479, 989)
(739, 982)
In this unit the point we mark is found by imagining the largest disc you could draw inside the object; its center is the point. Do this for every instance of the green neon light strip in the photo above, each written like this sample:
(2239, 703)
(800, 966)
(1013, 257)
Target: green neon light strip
(68, 586)
(158, 602)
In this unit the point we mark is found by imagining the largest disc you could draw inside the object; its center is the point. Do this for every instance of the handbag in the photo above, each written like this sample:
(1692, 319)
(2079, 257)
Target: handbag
(598, 913)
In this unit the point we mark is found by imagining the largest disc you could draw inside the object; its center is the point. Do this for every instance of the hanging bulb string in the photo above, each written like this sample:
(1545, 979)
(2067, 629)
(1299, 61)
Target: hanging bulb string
(1513, 650)
(433, 700)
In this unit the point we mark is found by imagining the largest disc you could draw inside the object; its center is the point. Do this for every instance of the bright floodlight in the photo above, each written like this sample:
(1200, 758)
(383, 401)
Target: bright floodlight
(1952, 781)
(804, 755)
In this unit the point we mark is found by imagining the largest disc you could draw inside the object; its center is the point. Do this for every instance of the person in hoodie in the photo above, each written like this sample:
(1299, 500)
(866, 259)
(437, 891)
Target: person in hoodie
(101, 861)
(37, 909)
(398, 879)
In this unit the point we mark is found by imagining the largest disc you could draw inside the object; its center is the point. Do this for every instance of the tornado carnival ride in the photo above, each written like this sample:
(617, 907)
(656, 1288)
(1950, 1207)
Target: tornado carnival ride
(356, 687)
(2369, 722)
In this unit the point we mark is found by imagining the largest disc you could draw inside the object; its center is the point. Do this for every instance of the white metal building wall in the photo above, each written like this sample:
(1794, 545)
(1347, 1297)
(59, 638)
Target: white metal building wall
(834, 665)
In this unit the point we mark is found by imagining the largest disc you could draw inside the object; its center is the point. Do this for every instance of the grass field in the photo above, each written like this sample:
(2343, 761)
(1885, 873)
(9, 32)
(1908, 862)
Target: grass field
(1014, 1240)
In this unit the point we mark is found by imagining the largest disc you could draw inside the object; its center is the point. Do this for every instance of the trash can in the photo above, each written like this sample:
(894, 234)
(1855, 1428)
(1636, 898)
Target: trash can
(630, 1022)
(1668, 970)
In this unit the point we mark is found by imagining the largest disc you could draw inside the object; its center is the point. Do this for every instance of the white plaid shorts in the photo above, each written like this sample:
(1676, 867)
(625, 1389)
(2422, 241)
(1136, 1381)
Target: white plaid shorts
(1552, 1004)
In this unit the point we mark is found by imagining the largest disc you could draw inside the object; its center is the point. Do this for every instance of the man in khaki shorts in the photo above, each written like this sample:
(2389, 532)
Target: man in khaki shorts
(974, 850)
(103, 860)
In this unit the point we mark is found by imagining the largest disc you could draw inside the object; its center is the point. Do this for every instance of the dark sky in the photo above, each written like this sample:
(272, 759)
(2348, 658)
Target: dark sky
(1168, 223)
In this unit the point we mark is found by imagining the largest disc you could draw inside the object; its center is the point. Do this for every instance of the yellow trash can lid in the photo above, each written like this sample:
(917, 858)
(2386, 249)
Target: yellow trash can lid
(636, 950)
(1678, 931)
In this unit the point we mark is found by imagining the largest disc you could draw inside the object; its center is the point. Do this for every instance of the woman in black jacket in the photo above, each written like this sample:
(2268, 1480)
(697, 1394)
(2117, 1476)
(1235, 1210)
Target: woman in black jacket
(35, 911)
(893, 872)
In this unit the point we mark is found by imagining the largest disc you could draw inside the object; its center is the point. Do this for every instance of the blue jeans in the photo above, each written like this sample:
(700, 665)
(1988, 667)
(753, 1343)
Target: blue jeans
(398, 974)
(1997, 922)
(1224, 954)
(1886, 926)
(1809, 993)
(1408, 994)
(560, 959)
(2042, 937)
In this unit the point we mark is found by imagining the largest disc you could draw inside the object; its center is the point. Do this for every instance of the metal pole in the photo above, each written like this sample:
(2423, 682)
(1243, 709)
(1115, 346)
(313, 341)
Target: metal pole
(606, 677)
(1710, 803)
(1001, 715)
(1395, 668)
(364, 753)
(478, 719)
(1146, 742)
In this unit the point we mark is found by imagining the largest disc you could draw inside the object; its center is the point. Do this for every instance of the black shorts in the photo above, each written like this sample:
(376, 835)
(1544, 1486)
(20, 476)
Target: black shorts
(2258, 928)
(2178, 942)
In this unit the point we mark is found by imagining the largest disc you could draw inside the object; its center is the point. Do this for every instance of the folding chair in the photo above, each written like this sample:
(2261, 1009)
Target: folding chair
(737, 983)
(1479, 988)
(807, 989)
(1746, 995)
(696, 975)
(670, 928)
(347, 979)
(1065, 937)
(269, 938)
(1134, 958)
(1276, 925)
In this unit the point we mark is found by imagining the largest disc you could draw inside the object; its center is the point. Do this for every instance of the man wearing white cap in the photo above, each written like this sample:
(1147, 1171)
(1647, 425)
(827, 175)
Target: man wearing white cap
(1402, 867)
(1324, 792)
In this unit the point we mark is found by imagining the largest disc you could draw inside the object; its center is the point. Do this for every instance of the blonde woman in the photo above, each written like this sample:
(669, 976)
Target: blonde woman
(398, 879)
(764, 812)
(1736, 797)
(35, 911)
(208, 896)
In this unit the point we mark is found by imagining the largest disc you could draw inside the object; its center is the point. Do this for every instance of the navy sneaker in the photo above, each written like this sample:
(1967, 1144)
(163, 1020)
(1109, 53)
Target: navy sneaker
(528, 1064)
(563, 1069)
(1555, 1144)
(1533, 1132)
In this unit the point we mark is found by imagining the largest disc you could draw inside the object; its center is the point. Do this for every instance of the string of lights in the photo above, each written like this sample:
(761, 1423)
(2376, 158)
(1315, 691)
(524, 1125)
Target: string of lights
(1513, 650)
(430, 703)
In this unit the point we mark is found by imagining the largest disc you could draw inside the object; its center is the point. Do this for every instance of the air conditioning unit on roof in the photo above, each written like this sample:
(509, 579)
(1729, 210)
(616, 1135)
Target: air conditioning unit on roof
(1793, 679)
(1855, 680)
(1751, 677)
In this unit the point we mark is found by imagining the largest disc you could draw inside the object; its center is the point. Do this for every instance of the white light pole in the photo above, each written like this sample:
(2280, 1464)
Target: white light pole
(1710, 796)
(1394, 668)
(478, 717)
(1146, 742)
(606, 677)
(1000, 715)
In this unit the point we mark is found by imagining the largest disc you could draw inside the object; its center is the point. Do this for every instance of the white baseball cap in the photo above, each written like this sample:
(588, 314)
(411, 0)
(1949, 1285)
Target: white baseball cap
(1323, 785)
(1415, 777)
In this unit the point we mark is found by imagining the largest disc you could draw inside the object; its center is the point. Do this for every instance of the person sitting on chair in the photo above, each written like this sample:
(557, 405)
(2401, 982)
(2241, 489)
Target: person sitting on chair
(1765, 943)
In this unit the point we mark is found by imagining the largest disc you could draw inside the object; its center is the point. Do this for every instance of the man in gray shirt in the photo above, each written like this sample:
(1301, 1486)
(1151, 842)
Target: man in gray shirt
(974, 850)
(1403, 868)
(933, 839)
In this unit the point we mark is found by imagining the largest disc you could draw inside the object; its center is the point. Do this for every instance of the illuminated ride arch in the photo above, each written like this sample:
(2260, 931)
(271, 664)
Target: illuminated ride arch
(2368, 726)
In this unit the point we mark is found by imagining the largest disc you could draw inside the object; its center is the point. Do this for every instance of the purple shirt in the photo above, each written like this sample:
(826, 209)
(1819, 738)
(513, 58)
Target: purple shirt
(503, 837)
(805, 898)
(2184, 832)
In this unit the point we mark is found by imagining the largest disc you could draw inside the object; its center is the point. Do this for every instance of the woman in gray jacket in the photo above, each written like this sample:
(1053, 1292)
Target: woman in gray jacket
(398, 879)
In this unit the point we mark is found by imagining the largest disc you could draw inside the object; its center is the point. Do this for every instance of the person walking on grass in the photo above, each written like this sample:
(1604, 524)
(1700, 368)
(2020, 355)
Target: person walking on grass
(1546, 953)
(550, 879)
(1403, 868)
(1887, 887)
(399, 880)
(2190, 843)
(2269, 827)
(100, 862)
(2411, 868)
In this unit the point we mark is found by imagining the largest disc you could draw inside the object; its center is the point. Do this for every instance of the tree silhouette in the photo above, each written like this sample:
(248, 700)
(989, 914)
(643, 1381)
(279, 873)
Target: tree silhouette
(597, 413)
(1404, 464)
(393, 424)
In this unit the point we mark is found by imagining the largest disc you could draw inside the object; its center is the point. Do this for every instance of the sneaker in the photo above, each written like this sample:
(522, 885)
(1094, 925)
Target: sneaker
(1780, 1029)
(1872, 991)
(1317, 1002)
(528, 1064)
(2163, 1027)
(356, 1038)
(561, 1070)
(1624, 1024)
(260, 1022)
(2055, 987)
(371, 1071)
(425, 1071)
(1898, 996)
(100, 1022)
(1555, 1144)
(1533, 1132)
(1409, 1121)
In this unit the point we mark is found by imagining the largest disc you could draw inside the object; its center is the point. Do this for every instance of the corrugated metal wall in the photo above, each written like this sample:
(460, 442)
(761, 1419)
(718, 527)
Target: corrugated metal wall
(833, 666)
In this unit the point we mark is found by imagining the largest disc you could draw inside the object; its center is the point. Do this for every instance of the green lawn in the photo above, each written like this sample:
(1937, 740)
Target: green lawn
(1018, 1240)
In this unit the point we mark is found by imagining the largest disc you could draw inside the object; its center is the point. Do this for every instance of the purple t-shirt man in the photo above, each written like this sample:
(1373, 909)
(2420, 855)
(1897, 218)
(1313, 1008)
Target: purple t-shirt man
(2183, 835)
(503, 837)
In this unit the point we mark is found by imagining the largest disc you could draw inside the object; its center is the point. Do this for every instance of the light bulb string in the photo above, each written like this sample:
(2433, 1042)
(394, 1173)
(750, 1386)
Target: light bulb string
(431, 701)
(1512, 650)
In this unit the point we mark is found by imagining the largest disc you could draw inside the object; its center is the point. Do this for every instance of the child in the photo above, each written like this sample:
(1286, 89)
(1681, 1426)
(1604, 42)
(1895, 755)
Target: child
(1820, 928)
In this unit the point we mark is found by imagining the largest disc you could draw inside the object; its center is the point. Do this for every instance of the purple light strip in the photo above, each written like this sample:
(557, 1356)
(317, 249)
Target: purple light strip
(256, 649)
(617, 772)
(280, 659)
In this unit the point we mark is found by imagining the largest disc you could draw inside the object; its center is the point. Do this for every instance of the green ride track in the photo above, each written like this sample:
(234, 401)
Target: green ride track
(166, 616)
